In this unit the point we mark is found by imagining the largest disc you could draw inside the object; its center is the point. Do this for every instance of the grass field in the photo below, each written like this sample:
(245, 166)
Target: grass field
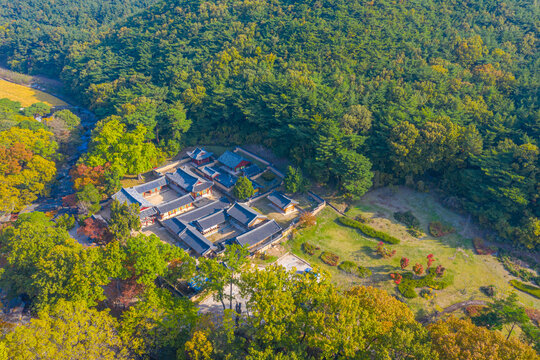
(455, 251)
(27, 96)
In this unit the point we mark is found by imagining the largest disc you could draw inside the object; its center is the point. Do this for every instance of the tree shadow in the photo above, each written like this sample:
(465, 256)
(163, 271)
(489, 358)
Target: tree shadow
(381, 272)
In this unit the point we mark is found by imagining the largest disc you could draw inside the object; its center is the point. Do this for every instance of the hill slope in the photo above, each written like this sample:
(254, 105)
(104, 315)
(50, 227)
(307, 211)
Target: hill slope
(441, 91)
(35, 35)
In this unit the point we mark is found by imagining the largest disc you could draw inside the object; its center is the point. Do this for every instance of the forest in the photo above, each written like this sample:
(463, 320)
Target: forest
(105, 303)
(421, 93)
(36, 35)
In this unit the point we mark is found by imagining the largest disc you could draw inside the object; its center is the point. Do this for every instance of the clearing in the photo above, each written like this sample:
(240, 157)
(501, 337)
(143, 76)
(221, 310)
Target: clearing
(26, 95)
(454, 251)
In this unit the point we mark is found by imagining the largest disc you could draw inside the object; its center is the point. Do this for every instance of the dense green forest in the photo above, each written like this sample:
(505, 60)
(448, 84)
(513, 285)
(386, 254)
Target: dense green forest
(419, 92)
(35, 35)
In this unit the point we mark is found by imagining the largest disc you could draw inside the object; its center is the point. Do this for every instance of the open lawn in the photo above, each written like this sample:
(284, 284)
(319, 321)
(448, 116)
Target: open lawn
(454, 251)
(26, 95)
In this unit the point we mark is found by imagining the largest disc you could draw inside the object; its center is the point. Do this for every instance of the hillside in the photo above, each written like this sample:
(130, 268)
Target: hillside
(35, 35)
(442, 92)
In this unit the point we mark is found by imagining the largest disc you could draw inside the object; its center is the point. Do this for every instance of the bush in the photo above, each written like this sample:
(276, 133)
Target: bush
(438, 229)
(407, 218)
(415, 232)
(309, 248)
(529, 289)
(481, 248)
(330, 258)
(384, 252)
(488, 290)
(351, 268)
(516, 270)
(368, 230)
(307, 219)
(268, 175)
(474, 310)
(409, 283)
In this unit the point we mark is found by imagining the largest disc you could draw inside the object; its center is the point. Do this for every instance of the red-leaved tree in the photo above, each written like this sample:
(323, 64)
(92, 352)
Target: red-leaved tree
(418, 269)
(430, 260)
(439, 270)
(404, 262)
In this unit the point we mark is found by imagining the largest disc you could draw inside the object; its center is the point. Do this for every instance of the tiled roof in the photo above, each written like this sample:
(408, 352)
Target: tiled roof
(230, 159)
(147, 213)
(260, 233)
(151, 185)
(188, 181)
(175, 204)
(211, 220)
(209, 171)
(203, 211)
(226, 179)
(131, 196)
(243, 214)
(252, 170)
(281, 200)
(199, 154)
(189, 236)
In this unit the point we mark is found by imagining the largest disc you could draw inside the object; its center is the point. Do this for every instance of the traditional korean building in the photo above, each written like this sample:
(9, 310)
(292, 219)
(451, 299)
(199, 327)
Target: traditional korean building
(132, 196)
(244, 215)
(199, 156)
(210, 224)
(188, 182)
(255, 237)
(152, 187)
(175, 207)
(282, 202)
(189, 237)
(233, 161)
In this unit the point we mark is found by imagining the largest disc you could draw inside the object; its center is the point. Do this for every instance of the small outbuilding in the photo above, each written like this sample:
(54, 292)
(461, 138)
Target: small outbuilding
(199, 156)
(282, 202)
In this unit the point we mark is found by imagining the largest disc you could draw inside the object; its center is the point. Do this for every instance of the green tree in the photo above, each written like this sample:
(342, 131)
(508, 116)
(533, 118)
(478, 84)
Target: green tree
(357, 120)
(48, 265)
(159, 324)
(124, 219)
(243, 189)
(65, 221)
(37, 109)
(65, 331)
(502, 312)
(354, 172)
(70, 120)
(294, 181)
(88, 199)
(221, 276)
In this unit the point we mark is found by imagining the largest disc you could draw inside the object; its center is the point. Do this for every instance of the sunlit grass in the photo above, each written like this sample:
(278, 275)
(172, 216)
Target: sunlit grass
(26, 95)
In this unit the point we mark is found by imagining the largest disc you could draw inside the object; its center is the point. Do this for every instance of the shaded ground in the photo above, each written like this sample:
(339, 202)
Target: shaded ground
(454, 251)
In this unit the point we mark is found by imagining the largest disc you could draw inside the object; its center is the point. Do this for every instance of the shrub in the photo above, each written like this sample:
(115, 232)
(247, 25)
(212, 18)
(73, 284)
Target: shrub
(329, 258)
(488, 290)
(368, 230)
(481, 248)
(268, 175)
(415, 232)
(307, 219)
(529, 289)
(384, 252)
(362, 218)
(474, 310)
(407, 218)
(418, 269)
(440, 270)
(351, 268)
(309, 248)
(516, 270)
(534, 315)
(409, 283)
(404, 262)
(438, 229)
